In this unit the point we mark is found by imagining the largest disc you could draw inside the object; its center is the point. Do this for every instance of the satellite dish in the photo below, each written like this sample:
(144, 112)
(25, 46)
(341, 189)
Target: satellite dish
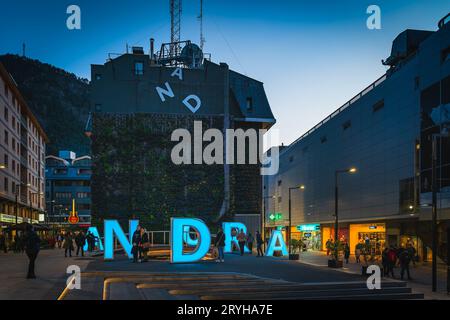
(191, 55)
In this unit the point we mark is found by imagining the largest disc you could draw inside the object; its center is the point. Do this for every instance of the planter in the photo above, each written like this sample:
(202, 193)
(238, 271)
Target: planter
(294, 256)
(335, 263)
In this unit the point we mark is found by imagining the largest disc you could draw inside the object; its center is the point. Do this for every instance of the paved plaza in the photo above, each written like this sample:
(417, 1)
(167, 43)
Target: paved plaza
(311, 269)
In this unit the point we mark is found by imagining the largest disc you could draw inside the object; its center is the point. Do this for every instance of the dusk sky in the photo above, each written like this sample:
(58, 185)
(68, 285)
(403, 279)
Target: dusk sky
(312, 56)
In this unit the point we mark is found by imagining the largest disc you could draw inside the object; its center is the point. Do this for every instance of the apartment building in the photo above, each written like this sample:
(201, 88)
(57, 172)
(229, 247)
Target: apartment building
(22, 157)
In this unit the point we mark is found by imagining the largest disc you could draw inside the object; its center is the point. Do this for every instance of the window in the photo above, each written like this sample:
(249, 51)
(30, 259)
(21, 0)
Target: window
(378, 106)
(63, 195)
(139, 68)
(280, 182)
(249, 103)
(6, 91)
(445, 55)
(98, 76)
(5, 113)
(83, 195)
(347, 125)
(6, 184)
(6, 164)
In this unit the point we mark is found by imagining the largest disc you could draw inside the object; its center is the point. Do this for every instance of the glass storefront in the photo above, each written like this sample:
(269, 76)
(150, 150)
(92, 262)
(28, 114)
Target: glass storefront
(310, 235)
(370, 234)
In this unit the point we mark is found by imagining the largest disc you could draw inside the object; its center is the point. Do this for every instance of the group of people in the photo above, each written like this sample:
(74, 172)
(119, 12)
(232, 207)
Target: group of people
(141, 245)
(243, 240)
(70, 240)
(402, 256)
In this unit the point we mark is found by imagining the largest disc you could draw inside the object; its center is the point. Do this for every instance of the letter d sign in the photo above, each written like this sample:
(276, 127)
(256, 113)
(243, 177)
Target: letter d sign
(178, 227)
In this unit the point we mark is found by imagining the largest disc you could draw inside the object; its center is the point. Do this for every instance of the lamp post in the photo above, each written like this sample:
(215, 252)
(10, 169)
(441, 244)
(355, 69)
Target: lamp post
(434, 245)
(301, 187)
(336, 201)
(263, 234)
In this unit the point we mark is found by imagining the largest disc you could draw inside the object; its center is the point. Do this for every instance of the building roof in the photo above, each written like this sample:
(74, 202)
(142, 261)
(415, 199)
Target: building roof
(13, 86)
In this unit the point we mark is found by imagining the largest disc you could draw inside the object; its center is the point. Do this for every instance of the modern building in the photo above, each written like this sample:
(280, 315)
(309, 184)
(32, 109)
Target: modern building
(22, 153)
(68, 183)
(385, 132)
(138, 101)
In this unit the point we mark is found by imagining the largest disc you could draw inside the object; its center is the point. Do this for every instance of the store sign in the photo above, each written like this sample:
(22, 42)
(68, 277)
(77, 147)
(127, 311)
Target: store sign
(308, 227)
(10, 219)
(276, 216)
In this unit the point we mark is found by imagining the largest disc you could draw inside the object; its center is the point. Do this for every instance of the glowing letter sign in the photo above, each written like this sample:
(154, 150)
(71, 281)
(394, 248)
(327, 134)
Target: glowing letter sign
(231, 239)
(177, 228)
(276, 236)
(113, 227)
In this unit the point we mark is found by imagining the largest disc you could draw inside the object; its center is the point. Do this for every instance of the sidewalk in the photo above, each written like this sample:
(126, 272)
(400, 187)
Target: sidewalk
(421, 273)
(50, 270)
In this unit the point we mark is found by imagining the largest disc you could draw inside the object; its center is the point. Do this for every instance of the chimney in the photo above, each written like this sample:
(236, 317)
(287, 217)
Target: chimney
(152, 49)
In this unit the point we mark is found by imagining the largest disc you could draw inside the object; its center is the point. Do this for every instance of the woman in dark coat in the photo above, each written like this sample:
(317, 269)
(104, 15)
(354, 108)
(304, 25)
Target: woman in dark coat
(32, 246)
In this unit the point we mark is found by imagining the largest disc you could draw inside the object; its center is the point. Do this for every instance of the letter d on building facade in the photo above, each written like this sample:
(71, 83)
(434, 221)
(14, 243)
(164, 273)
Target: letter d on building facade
(112, 227)
(178, 227)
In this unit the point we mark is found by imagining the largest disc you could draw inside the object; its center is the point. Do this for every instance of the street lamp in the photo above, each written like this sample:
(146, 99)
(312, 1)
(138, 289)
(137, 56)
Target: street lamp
(435, 136)
(336, 200)
(300, 187)
(263, 234)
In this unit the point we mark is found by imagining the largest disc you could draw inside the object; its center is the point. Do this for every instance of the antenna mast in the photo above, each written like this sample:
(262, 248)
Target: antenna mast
(175, 27)
(200, 18)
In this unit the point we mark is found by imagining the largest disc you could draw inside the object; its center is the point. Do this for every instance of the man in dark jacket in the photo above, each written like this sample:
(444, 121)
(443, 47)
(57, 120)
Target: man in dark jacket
(219, 243)
(80, 240)
(32, 247)
(137, 242)
(404, 259)
(259, 243)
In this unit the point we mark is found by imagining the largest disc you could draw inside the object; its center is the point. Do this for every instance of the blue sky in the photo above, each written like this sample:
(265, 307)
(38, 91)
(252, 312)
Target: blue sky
(311, 55)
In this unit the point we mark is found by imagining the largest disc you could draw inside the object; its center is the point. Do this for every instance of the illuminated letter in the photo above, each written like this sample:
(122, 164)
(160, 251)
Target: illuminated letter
(178, 73)
(177, 226)
(231, 239)
(168, 92)
(197, 100)
(113, 227)
(98, 241)
(276, 236)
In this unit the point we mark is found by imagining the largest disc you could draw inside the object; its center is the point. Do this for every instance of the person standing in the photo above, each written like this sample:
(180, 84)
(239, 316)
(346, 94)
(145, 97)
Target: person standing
(137, 242)
(32, 246)
(250, 240)
(328, 245)
(259, 243)
(68, 244)
(391, 261)
(219, 243)
(412, 252)
(385, 261)
(3, 243)
(242, 240)
(80, 240)
(358, 253)
(346, 252)
(144, 247)
(404, 259)
(59, 239)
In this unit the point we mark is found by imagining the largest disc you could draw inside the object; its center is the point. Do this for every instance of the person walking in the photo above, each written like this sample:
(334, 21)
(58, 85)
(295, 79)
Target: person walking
(137, 242)
(358, 253)
(250, 240)
(346, 252)
(144, 247)
(241, 240)
(219, 243)
(59, 240)
(404, 259)
(328, 245)
(68, 244)
(259, 243)
(80, 240)
(391, 261)
(32, 244)
(385, 261)
(3, 243)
